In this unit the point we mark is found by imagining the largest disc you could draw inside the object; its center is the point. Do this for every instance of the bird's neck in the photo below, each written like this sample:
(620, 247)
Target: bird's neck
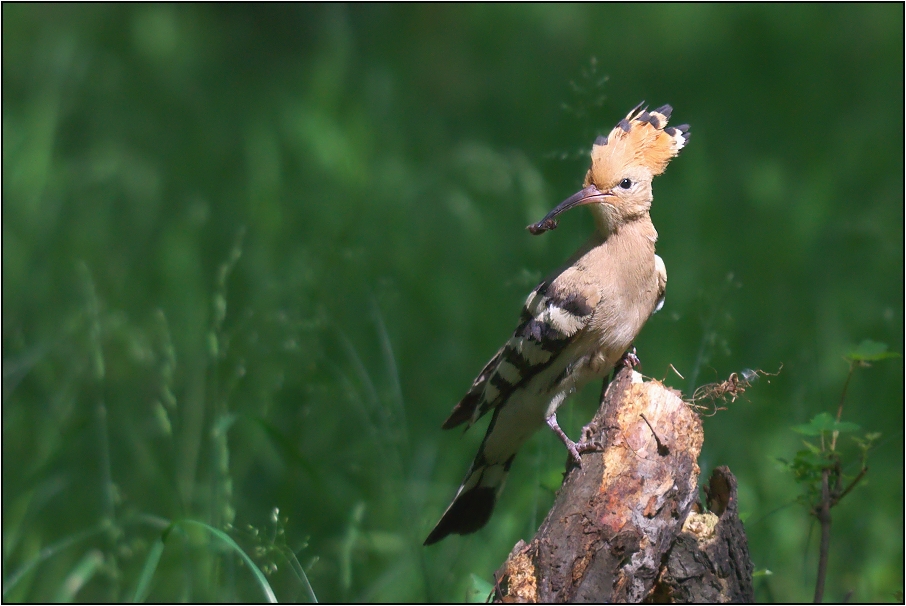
(638, 227)
(632, 242)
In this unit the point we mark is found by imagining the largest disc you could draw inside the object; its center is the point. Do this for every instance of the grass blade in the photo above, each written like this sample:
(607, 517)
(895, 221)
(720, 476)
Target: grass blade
(83, 572)
(10, 582)
(229, 542)
(148, 570)
(154, 555)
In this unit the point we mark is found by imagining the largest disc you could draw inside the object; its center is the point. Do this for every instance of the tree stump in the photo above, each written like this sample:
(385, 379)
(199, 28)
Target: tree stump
(709, 561)
(612, 532)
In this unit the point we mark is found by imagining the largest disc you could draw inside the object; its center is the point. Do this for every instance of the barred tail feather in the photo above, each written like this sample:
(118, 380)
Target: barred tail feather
(470, 511)
(474, 503)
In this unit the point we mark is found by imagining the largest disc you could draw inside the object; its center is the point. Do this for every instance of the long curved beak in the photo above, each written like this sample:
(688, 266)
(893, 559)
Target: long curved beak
(589, 195)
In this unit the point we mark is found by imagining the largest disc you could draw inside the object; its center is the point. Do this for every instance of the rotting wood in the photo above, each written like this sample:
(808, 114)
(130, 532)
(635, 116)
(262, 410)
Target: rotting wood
(615, 518)
(709, 561)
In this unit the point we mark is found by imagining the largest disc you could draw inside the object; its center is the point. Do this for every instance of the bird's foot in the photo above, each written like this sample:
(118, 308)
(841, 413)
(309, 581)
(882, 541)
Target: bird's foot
(630, 359)
(581, 447)
(575, 449)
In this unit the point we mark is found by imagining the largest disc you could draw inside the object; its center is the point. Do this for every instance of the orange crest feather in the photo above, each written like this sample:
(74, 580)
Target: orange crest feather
(641, 139)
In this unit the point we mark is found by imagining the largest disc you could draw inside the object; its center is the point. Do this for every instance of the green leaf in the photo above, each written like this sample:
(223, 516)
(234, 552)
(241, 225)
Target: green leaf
(871, 351)
(846, 427)
(824, 423)
(819, 424)
(764, 572)
(810, 459)
(867, 442)
(811, 449)
(479, 591)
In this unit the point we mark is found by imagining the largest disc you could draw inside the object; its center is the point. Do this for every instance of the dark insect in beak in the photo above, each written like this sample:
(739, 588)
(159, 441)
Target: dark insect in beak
(589, 195)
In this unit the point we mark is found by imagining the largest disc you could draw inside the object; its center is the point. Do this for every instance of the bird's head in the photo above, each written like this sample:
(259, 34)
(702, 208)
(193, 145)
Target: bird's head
(617, 187)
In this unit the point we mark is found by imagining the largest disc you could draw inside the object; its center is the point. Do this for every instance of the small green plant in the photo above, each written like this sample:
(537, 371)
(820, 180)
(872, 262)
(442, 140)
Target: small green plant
(819, 467)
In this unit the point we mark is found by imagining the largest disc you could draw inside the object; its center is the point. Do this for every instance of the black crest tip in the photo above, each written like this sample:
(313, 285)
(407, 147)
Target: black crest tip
(635, 109)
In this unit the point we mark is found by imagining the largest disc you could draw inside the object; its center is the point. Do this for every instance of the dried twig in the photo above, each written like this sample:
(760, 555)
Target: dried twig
(726, 391)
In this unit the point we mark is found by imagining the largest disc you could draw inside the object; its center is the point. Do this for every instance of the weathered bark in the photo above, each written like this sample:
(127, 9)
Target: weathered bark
(615, 519)
(709, 561)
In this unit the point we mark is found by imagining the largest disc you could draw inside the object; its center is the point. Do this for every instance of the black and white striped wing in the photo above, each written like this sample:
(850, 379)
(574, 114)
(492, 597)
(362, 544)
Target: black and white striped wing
(550, 321)
(463, 411)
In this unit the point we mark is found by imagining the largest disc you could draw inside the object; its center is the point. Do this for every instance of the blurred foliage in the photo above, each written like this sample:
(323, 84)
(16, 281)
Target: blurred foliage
(252, 255)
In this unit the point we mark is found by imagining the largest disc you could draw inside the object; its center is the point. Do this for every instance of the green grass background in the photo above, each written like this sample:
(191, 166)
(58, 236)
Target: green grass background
(252, 256)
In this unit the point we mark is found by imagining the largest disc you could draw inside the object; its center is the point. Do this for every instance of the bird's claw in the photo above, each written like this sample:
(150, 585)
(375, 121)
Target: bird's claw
(574, 454)
(630, 359)
(577, 448)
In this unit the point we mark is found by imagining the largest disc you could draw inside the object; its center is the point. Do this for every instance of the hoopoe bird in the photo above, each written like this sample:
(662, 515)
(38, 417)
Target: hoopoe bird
(578, 323)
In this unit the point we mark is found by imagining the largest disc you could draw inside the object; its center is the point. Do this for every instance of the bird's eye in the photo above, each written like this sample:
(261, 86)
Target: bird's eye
(625, 184)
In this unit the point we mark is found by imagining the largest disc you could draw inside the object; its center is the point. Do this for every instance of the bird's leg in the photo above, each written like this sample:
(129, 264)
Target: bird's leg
(574, 449)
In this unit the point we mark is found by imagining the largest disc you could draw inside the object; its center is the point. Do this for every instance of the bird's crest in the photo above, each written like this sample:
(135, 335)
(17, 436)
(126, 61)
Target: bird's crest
(643, 139)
